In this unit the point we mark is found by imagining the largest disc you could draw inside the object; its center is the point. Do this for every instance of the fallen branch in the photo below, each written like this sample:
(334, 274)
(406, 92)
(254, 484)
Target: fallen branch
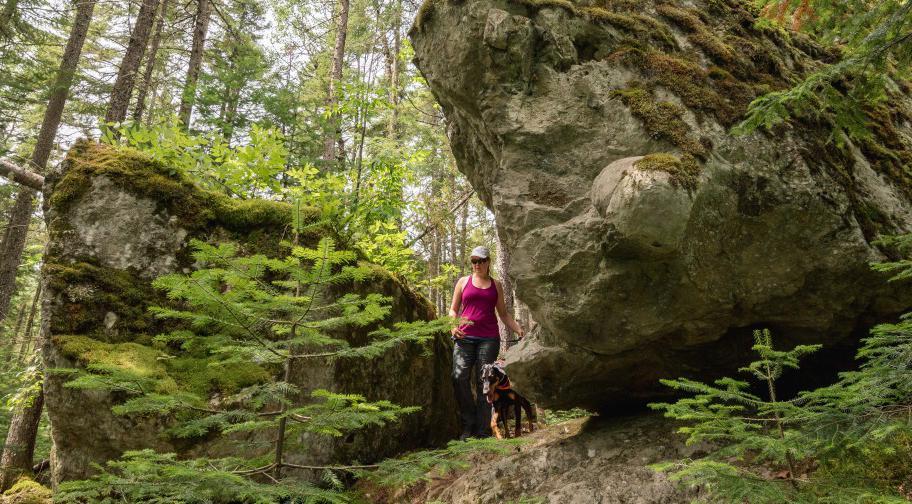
(21, 175)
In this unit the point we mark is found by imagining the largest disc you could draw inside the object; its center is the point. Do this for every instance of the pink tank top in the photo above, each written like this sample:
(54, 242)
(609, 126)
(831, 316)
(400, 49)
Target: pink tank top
(478, 307)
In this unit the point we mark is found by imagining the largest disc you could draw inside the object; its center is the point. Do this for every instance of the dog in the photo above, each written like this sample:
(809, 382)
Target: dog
(500, 395)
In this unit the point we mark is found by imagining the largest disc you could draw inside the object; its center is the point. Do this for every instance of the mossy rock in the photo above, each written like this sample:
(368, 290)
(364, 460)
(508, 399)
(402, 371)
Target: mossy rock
(775, 227)
(27, 491)
(196, 209)
(99, 300)
(92, 292)
(716, 57)
(663, 119)
(134, 359)
(684, 170)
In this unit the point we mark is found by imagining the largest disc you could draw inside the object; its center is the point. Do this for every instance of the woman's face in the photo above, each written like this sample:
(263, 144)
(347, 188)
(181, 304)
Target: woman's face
(480, 265)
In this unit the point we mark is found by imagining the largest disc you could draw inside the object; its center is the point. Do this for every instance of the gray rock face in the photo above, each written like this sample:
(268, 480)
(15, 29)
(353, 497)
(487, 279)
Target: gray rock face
(595, 461)
(643, 268)
(124, 231)
(117, 220)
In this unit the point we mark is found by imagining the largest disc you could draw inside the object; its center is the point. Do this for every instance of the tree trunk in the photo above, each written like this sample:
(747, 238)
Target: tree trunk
(188, 97)
(333, 130)
(11, 343)
(20, 442)
(503, 269)
(14, 239)
(151, 55)
(279, 458)
(13, 245)
(438, 252)
(27, 335)
(126, 75)
(452, 224)
(20, 175)
(432, 267)
(392, 69)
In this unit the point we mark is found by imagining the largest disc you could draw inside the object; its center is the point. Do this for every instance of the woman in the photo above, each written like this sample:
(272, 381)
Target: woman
(477, 339)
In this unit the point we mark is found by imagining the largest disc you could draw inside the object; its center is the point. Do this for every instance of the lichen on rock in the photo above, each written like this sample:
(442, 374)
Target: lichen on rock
(645, 238)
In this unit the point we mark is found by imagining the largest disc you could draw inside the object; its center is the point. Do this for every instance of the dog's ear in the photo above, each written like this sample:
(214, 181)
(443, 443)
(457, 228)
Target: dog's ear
(487, 371)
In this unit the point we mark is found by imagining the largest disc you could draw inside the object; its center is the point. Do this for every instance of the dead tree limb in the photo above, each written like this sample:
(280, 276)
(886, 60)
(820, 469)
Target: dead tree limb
(20, 175)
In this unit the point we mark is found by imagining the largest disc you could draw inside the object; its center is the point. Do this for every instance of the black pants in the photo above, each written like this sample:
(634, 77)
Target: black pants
(475, 413)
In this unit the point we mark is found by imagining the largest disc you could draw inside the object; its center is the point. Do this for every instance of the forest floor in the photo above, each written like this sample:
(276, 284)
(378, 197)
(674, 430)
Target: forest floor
(587, 460)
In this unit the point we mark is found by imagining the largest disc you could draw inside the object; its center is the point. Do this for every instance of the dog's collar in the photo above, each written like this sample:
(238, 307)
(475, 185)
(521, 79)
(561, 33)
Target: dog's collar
(503, 384)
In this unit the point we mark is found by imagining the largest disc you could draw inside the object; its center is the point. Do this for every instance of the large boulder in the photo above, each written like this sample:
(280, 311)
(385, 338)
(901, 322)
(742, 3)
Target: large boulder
(646, 239)
(117, 220)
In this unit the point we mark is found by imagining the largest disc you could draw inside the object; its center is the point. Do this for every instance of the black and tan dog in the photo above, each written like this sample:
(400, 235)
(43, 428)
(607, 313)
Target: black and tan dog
(501, 396)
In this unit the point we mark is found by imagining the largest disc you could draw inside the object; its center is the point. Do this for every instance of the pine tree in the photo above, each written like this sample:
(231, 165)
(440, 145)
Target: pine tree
(753, 434)
(847, 442)
(874, 41)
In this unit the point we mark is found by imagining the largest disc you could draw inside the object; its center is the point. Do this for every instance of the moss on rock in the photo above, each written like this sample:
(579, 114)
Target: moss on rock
(27, 491)
(202, 376)
(99, 296)
(91, 292)
(684, 170)
(141, 361)
(662, 119)
(196, 208)
(136, 173)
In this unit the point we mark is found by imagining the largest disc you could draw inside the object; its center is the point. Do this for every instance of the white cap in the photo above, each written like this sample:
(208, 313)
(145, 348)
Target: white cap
(481, 252)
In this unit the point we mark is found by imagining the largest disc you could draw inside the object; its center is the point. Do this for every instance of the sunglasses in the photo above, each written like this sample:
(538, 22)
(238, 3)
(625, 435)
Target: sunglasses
(479, 261)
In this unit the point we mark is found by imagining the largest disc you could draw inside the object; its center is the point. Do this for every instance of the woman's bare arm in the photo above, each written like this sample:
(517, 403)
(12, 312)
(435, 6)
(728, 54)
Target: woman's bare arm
(454, 306)
(504, 314)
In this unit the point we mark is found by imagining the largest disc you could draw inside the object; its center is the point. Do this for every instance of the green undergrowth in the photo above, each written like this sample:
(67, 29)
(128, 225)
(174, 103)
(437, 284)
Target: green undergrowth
(551, 417)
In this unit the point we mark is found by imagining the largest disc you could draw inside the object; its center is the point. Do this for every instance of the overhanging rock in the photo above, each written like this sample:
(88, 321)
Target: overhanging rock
(647, 240)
